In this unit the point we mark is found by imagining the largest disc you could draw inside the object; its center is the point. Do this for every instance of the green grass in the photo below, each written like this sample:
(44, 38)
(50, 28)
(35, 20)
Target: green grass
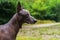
(54, 39)
(44, 21)
(41, 22)
(48, 30)
(35, 38)
(29, 38)
(43, 33)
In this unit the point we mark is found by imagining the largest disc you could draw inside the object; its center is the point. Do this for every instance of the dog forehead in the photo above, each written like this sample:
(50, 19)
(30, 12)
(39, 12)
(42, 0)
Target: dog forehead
(24, 11)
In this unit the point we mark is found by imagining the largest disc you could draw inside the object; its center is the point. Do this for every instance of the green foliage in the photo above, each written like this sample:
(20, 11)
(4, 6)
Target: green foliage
(7, 9)
(40, 9)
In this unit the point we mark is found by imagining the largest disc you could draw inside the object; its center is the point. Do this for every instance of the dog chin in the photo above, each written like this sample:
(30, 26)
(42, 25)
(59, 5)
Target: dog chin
(31, 23)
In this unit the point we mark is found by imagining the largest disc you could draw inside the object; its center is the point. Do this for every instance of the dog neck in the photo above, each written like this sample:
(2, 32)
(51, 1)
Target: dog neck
(16, 23)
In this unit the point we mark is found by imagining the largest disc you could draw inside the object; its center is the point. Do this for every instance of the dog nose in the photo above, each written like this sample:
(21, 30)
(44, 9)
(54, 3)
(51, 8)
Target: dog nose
(35, 21)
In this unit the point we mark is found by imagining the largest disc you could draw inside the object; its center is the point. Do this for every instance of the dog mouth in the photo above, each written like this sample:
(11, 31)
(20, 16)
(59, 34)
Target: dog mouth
(31, 22)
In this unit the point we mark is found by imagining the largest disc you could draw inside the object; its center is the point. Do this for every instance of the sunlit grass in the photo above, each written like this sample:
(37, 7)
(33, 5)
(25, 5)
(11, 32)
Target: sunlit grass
(28, 38)
(41, 22)
(35, 38)
(43, 30)
(54, 39)
(44, 21)
(43, 33)
(48, 30)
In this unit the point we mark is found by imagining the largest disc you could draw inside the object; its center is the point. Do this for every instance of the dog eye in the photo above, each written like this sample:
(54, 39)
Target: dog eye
(27, 14)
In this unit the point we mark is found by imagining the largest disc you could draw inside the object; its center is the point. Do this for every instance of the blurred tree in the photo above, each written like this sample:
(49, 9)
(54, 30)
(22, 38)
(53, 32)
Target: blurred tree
(40, 9)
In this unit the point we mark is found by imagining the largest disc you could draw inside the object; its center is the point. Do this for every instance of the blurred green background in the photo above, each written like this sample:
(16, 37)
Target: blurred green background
(40, 9)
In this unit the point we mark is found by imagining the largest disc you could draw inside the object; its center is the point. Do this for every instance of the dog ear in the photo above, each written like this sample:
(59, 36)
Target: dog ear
(18, 7)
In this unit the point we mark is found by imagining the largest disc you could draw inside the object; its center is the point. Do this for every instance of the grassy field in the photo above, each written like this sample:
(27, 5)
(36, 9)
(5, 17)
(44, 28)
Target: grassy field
(43, 33)
(41, 22)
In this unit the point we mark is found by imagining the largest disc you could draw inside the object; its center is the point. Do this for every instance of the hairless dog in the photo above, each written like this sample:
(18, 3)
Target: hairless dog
(9, 30)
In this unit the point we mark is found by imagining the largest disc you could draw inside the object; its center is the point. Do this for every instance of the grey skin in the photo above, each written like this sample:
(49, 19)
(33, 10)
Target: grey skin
(9, 30)
(29, 19)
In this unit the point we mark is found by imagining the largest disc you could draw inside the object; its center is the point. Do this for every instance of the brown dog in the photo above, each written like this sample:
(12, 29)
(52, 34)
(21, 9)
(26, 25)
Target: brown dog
(9, 30)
